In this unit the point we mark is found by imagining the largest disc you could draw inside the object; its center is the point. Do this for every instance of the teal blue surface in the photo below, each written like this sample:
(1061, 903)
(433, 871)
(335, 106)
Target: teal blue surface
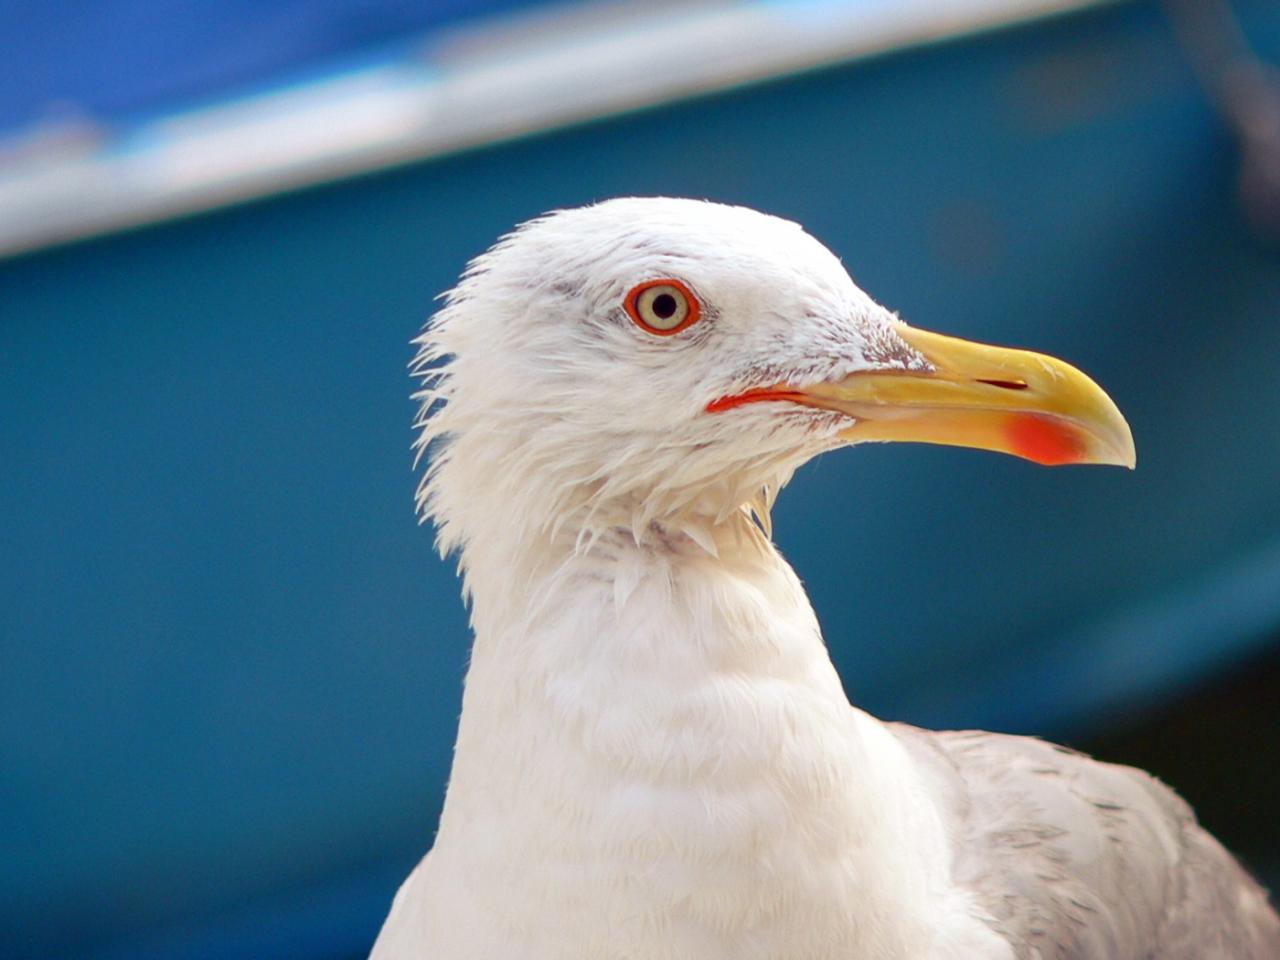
(232, 662)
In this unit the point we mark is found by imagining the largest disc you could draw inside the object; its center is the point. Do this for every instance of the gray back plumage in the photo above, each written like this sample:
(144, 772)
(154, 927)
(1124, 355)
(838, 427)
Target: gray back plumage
(1074, 859)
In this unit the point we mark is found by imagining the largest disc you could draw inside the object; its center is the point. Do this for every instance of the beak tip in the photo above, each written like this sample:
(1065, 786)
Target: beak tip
(1126, 450)
(1113, 448)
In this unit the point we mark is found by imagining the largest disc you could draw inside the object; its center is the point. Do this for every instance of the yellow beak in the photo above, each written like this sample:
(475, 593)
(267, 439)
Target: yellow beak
(991, 398)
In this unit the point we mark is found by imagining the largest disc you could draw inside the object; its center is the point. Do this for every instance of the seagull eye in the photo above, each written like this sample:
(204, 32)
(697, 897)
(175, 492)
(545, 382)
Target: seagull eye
(662, 307)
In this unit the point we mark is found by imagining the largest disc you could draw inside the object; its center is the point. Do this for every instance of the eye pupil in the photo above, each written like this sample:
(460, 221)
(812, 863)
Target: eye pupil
(664, 305)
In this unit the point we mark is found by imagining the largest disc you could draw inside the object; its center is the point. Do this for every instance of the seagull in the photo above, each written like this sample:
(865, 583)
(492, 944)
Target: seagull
(656, 759)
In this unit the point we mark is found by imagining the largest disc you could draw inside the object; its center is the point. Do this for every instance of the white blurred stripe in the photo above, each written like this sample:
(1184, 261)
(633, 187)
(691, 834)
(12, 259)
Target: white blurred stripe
(472, 86)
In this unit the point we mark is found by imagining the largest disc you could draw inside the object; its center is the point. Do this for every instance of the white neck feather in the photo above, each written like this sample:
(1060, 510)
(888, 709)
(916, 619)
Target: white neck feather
(655, 744)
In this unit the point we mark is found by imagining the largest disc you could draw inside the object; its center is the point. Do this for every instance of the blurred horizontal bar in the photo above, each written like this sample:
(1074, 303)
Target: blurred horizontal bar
(468, 87)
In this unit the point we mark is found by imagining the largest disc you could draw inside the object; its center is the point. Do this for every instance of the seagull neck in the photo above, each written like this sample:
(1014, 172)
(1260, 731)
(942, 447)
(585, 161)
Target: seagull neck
(645, 715)
(632, 659)
(634, 618)
(697, 579)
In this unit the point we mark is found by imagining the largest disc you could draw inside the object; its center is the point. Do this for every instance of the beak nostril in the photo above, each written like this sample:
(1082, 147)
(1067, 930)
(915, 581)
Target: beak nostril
(1005, 384)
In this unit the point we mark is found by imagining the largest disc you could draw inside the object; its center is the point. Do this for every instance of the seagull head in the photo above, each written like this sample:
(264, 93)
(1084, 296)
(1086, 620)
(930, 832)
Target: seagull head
(648, 363)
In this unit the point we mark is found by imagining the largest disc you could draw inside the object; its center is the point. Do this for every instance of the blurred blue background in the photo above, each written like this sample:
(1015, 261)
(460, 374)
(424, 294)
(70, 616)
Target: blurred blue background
(114, 61)
(231, 661)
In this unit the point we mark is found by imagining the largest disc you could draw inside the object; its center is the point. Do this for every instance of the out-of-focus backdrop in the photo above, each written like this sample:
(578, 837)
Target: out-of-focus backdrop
(230, 662)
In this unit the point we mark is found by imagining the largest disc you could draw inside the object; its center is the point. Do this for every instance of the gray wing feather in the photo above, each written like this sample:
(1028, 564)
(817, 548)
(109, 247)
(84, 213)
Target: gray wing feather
(1073, 859)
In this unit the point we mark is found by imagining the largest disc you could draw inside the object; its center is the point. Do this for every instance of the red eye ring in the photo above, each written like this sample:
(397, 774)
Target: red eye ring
(662, 307)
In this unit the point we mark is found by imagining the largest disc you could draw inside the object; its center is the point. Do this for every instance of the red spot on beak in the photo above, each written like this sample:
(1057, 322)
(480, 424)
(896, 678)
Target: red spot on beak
(1044, 440)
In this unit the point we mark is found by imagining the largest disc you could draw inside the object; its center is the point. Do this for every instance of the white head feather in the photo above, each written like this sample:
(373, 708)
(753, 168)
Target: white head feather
(552, 412)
